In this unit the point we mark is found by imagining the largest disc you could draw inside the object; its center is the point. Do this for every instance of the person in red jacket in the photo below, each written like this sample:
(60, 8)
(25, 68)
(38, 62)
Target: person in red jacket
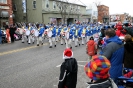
(91, 47)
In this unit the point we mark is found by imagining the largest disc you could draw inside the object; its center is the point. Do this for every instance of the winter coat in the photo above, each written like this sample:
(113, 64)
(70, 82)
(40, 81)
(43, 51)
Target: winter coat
(114, 51)
(128, 55)
(68, 74)
(91, 48)
(103, 83)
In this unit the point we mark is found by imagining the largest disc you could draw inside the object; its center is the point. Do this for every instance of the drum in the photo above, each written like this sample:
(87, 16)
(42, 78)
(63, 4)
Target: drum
(21, 31)
(49, 33)
(33, 31)
(36, 33)
(27, 32)
(67, 35)
(82, 35)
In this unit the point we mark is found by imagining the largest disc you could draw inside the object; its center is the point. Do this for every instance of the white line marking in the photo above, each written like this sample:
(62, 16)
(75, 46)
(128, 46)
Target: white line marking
(58, 65)
(80, 65)
(55, 85)
(82, 61)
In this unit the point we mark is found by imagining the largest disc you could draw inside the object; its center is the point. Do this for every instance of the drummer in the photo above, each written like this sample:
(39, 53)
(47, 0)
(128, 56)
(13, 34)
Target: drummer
(29, 28)
(23, 35)
(62, 33)
(69, 39)
(49, 33)
(40, 35)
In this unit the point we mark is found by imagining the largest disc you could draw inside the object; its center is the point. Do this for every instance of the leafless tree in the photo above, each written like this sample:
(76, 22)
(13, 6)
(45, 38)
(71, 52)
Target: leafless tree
(64, 8)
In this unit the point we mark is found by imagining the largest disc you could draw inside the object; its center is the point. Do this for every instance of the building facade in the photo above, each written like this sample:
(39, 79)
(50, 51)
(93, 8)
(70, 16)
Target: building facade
(49, 11)
(6, 13)
(103, 14)
(120, 17)
(93, 14)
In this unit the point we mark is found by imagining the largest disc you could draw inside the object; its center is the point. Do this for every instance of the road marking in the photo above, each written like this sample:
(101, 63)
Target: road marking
(81, 65)
(82, 61)
(58, 65)
(18, 50)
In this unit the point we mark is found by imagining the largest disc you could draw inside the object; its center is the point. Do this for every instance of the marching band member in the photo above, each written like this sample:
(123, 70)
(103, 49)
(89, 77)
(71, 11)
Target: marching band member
(54, 35)
(57, 34)
(83, 35)
(67, 36)
(49, 34)
(70, 38)
(23, 35)
(29, 34)
(88, 34)
(73, 29)
(40, 36)
(76, 36)
(63, 35)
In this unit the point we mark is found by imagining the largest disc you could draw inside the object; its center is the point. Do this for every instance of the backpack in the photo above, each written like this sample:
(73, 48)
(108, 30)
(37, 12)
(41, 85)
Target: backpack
(91, 50)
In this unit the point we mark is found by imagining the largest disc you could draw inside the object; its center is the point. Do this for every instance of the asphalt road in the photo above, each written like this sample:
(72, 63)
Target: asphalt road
(29, 66)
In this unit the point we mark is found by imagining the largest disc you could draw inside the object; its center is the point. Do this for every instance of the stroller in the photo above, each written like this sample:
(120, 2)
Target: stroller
(4, 40)
(126, 81)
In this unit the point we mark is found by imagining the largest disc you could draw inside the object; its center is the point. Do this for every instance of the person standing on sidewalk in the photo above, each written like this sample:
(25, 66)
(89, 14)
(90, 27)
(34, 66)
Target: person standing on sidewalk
(12, 32)
(98, 71)
(114, 51)
(8, 34)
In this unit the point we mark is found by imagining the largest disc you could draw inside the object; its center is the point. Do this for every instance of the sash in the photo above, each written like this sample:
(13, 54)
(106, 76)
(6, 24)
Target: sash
(83, 31)
(76, 32)
(56, 30)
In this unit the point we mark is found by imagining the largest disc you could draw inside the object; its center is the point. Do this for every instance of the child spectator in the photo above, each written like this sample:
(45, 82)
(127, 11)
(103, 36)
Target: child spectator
(98, 71)
(91, 47)
(68, 70)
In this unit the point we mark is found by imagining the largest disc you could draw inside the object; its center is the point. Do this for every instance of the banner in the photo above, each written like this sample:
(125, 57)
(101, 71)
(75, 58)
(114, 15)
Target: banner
(24, 6)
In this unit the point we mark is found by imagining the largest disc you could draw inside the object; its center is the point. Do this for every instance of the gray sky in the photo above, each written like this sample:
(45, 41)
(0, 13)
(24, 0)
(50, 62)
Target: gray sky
(115, 6)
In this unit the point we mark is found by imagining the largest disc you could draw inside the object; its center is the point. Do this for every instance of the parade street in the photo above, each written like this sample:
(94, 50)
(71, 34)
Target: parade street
(30, 66)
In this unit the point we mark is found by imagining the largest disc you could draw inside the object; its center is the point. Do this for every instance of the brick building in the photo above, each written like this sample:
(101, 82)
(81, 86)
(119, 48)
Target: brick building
(6, 13)
(103, 14)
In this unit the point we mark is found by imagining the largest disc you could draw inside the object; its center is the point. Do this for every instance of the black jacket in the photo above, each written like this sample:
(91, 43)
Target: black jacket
(128, 55)
(102, 83)
(68, 74)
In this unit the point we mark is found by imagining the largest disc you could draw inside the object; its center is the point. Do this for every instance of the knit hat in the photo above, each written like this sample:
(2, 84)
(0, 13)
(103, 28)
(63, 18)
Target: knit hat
(97, 68)
(67, 53)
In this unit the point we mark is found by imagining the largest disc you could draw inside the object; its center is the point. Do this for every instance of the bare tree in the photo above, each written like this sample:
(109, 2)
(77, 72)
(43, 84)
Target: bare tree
(64, 8)
(97, 3)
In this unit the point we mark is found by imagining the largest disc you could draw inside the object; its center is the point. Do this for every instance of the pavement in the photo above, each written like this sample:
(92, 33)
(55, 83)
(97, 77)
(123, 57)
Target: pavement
(30, 66)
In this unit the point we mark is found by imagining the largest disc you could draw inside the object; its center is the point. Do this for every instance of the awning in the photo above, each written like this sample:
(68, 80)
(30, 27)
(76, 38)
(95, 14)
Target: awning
(4, 14)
